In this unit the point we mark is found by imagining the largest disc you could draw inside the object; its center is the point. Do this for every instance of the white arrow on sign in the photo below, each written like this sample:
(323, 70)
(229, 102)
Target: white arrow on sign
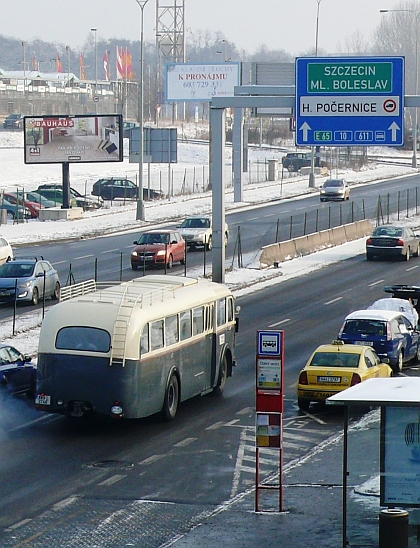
(394, 127)
(305, 127)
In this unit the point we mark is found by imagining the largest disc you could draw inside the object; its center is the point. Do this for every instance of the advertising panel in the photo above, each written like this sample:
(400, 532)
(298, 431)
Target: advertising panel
(74, 139)
(400, 457)
(201, 82)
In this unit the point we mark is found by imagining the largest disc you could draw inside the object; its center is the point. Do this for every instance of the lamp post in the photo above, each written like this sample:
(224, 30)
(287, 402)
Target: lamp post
(416, 17)
(68, 64)
(140, 203)
(312, 173)
(24, 72)
(96, 68)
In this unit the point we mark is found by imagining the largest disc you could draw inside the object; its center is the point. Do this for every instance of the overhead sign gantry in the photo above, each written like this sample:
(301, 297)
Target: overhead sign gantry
(350, 101)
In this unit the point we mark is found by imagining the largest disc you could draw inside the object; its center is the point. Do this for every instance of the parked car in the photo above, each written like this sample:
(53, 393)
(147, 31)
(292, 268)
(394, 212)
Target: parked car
(52, 190)
(40, 199)
(112, 188)
(392, 241)
(13, 121)
(27, 277)
(17, 372)
(389, 333)
(55, 195)
(197, 231)
(157, 248)
(15, 211)
(18, 197)
(6, 251)
(335, 367)
(334, 189)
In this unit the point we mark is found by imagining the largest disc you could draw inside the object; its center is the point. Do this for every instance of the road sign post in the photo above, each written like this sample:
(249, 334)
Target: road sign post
(350, 101)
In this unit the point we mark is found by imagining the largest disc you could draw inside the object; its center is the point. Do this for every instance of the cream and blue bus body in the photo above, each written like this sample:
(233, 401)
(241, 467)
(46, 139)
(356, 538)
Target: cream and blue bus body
(137, 348)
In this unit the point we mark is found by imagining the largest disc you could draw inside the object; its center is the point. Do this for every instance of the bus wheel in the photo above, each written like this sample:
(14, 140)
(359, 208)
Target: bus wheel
(170, 404)
(221, 383)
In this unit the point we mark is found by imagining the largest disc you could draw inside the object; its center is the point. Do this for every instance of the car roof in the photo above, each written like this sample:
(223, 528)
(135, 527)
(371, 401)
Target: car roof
(373, 315)
(348, 348)
(161, 231)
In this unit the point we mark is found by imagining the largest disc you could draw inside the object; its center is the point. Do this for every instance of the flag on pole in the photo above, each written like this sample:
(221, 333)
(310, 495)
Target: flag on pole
(124, 64)
(120, 67)
(129, 65)
(59, 64)
(106, 66)
(82, 67)
(35, 63)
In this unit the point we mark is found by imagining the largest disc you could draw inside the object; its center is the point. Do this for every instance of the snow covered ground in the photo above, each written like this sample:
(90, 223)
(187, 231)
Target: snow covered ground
(14, 173)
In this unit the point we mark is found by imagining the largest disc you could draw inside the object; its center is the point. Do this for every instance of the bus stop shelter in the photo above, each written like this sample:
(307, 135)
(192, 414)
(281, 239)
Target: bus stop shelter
(381, 392)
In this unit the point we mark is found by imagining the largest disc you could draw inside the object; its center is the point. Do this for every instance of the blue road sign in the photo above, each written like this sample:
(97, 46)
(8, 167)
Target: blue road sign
(349, 101)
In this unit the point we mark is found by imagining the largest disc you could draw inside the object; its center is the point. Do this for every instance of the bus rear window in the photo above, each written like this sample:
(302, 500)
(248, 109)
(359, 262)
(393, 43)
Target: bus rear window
(88, 339)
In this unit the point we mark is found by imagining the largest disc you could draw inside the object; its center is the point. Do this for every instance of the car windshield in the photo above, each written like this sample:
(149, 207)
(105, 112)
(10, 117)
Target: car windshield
(392, 231)
(196, 223)
(366, 327)
(333, 182)
(147, 239)
(335, 359)
(16, 270)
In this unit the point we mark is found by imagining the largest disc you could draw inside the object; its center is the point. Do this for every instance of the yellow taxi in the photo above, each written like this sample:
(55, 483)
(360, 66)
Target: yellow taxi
(335, 367)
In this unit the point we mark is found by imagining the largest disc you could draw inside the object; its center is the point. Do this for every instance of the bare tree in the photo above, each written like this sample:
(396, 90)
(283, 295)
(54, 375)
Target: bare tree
(354, 45)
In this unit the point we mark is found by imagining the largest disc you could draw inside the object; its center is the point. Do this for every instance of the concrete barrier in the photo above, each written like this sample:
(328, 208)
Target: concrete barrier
(283, 251)
(59, 214)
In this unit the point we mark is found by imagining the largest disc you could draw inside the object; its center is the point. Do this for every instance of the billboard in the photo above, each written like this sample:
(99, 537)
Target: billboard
(201, 82)
(74, 139)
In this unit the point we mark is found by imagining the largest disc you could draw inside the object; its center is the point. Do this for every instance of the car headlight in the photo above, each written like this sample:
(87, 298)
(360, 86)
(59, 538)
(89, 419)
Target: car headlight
(25, 285)
(160, 253)
(322, 190)
(134, 254)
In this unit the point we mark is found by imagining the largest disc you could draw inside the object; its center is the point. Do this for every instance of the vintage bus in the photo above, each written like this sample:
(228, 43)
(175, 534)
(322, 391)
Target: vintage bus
(135, 349)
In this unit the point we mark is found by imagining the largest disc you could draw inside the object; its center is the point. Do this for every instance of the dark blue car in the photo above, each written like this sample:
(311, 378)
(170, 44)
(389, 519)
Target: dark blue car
(389, 333)
(17, 372)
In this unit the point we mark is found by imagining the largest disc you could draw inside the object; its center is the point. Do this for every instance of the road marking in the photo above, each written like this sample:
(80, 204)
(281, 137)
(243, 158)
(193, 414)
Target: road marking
(113, 479)
(254, 219)
(376, 283)
(411, 268)
(280, 322)
(43, 418)
(110, 251)
(215, 426)
(232, 422)
(333, 300)
(63, 503)
(17, 525)
(245, 411)
(313, 417)
(83, 257)
(185, 442)
(152, 459)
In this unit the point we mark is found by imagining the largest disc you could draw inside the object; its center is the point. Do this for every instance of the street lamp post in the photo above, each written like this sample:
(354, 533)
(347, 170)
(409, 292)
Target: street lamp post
(68, 64)
(140, 204)
(24, 74)
(96, 68)
(312, 173)
(416, 17)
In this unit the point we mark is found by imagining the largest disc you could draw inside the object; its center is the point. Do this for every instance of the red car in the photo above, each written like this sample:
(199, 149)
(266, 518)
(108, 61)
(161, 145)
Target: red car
(157, 248)
(33, 207)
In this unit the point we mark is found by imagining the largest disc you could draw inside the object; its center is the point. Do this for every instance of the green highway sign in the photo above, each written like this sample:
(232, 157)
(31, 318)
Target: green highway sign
(363, 77)
(349, 101)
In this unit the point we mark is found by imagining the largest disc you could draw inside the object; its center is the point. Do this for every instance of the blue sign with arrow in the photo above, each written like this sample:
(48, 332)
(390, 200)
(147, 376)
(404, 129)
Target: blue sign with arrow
(349, 101)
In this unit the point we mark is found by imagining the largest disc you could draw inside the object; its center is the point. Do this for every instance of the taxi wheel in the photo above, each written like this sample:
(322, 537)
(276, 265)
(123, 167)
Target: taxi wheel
(303, 404)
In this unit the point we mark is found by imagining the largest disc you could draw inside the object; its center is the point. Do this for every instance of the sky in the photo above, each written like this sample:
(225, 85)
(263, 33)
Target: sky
(279, 24)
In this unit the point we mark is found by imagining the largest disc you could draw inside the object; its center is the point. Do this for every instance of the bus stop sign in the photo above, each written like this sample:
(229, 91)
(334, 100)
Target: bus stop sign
(349, 101)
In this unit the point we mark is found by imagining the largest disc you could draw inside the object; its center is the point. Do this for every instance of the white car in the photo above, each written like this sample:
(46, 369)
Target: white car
(197, 232)
(6, 251)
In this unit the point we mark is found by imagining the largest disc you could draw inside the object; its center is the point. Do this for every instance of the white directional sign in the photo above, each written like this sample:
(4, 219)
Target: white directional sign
(349, 101)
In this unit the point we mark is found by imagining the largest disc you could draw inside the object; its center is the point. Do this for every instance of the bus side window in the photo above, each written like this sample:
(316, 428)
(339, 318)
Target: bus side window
(230, 310)
(144, 341)
(185, 324)
(221, 312)
(198, 320)
(156, 335)
(171, 330)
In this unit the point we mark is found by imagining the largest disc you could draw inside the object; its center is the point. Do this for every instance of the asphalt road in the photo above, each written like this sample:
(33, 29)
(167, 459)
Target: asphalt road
(62, 478)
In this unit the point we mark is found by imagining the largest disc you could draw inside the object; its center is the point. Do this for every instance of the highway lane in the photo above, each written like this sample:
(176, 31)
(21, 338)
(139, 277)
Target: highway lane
(205, 456)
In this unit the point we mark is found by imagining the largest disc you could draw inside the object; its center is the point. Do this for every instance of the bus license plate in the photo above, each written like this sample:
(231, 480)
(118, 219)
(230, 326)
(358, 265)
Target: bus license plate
(41, 399)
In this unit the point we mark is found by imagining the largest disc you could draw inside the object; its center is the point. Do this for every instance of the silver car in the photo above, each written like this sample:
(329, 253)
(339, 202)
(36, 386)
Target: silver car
(28, 280)
(334, 189)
